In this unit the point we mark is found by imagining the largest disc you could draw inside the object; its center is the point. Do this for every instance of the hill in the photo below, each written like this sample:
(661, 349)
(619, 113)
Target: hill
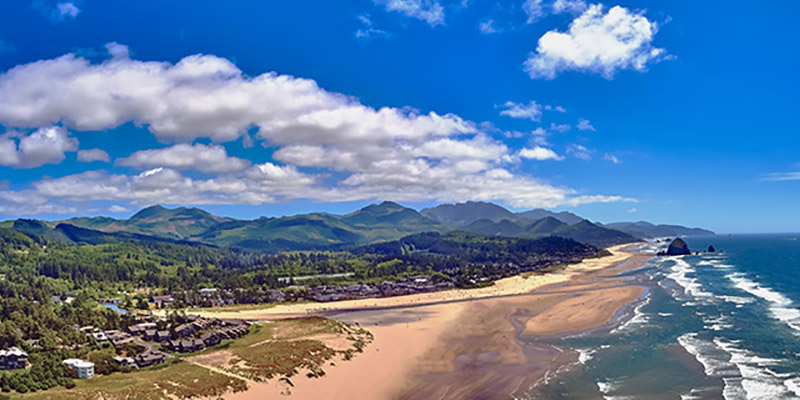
(538, 213)
(645, 230)
(462, 214)
(177, 223)
(584, 231)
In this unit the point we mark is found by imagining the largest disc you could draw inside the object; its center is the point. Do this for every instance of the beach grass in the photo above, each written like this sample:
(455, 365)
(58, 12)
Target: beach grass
(177, 380)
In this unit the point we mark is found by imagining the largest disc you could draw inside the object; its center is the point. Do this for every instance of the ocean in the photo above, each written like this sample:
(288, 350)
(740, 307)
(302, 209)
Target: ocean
(722, 325)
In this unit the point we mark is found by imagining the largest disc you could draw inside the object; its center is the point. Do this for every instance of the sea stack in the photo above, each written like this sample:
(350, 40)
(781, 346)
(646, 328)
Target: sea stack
(711, 249)
(678, 248)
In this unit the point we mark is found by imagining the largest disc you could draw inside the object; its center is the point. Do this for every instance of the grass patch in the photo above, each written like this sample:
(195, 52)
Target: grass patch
(287, 347)
(181, 380)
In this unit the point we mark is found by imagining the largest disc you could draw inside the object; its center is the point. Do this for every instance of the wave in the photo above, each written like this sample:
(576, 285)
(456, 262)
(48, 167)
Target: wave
(758, 382)
(781, 305)
(639, 319)
(680, 274)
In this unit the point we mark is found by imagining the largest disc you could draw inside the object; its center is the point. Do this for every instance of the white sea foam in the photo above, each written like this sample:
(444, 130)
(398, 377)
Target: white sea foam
(680, 274)
(584, 355)
(757, 381)
(793, 385)
(639, 319)
(781, 305)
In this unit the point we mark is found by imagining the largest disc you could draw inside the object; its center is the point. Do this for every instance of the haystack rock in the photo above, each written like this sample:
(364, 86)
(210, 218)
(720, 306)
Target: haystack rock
(678, 248)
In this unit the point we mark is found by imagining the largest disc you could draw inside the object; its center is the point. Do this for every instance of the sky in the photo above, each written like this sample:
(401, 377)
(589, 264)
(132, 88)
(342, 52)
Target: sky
(678, 112)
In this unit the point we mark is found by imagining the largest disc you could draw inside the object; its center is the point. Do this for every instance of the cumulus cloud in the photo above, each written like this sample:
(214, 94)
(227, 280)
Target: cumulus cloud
(487, 27)
(213, 158)
(611, 158)
(118, 209)
(579, 152)
(597, 41)
(537, 9)
(530, 110)
(429, 11)
(560, 128)
(43, 146)
(327, 146)
(584, 125)
(93, 155)
(540, 153)
(368, 29)
(67, 10)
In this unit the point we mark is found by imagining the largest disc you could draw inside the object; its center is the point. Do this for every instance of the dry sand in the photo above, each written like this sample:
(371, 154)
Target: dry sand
(460, 343)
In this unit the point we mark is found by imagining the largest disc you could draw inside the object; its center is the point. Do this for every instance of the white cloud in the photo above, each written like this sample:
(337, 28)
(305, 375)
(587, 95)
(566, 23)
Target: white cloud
(585, 125)
(368, 29)
(328, 146)
(782, 176)
(560, 128)
(93, 155)
(531, 110)
(68, 9)
(212, 158)
(538, 9)
(569, 6)
(487, 27)
(632, 210)
(579, 152)
(43, 146)
(118, 209)
(534, 9)
(540, 153)
(540, 136)
(612, 158)
(597, 41)
(429, 11)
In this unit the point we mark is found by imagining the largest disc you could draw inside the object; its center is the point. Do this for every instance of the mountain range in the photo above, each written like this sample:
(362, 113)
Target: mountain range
(382, 222)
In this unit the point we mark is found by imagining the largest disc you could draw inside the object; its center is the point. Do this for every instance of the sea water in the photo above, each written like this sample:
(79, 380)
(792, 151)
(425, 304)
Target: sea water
(722, 325)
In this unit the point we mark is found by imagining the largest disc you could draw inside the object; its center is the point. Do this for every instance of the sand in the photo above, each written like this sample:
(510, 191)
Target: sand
(461, 343)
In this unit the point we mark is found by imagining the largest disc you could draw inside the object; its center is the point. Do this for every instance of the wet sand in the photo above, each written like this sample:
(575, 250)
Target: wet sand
(487, 344)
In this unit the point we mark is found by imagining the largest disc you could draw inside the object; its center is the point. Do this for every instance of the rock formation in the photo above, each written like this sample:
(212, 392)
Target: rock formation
(678, 248)
(711, 249)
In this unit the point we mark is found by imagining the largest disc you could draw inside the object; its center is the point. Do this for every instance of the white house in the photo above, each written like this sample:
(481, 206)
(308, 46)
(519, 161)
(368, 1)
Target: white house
(84, 369)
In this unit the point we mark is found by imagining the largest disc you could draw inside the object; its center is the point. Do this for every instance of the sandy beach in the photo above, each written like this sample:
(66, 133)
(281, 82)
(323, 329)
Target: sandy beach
(460, 343)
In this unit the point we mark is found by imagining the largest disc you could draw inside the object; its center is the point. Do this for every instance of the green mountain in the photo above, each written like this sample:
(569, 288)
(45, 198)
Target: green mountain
(463, 214)
(538, 213)
(177, 223)
(644, 230)
(587, 232)
(298, 232)
(376, 222)
(387, 221)
(544, 226)
(487, 227)
(584, 231)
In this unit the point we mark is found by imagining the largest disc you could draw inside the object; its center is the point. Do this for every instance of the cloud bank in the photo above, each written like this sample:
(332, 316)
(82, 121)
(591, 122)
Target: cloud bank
(324, 146)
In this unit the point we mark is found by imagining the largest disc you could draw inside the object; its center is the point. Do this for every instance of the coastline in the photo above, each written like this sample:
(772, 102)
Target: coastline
(459, 343)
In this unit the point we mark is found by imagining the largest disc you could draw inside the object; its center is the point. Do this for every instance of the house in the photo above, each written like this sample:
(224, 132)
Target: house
(186, 345)
(13, 358)
(99, 336)
(150, 357)
(150, 334)
(210, 338)
(163, 336)
(123, 362)
(84, 369)
(185, 330)
(161, 301)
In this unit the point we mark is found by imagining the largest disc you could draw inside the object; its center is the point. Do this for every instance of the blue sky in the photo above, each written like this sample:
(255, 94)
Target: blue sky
(672, 112)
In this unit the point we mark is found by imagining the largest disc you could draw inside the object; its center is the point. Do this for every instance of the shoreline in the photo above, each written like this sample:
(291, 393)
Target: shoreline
(511, 286)
(449, 345)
